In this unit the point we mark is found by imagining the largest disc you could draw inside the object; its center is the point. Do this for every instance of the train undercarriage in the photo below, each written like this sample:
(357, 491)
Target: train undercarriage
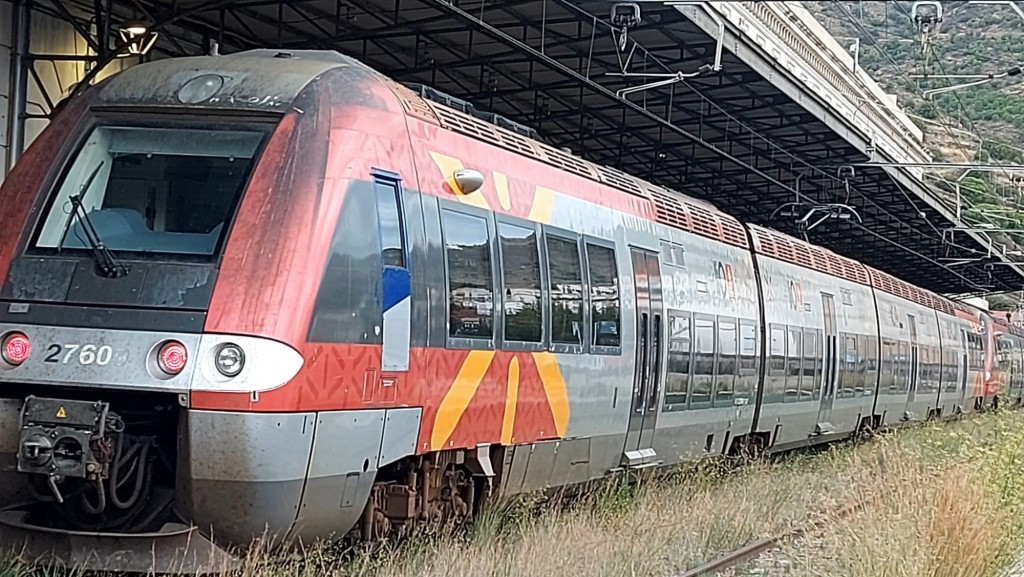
(102, 477)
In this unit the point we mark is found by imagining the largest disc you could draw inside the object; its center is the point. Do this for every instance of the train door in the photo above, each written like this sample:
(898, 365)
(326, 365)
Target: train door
(912, 394)
(962, 369)
(829, 369)
(649, 344)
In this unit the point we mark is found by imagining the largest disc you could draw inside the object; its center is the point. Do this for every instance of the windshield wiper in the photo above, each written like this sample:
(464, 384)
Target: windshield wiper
(109, 266)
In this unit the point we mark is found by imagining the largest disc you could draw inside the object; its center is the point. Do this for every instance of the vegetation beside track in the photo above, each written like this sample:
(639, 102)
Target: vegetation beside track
(947, 500)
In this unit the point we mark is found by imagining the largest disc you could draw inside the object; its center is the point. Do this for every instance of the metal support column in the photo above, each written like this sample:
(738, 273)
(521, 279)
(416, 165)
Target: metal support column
(21, 22)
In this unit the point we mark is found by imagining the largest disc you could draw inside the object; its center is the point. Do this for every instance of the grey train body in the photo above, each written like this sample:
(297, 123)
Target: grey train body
(721, 347)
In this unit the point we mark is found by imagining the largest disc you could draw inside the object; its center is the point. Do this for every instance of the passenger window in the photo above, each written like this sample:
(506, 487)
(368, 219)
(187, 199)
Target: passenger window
(902, 367)
(809, 388)
(747, 379)
(604, 295)
(392, 245)
(470, 282)
(776, 386)
(852, 382)
(520, 275)
(703, 361)
(951, 362)
(726, 388)
(566, 285)
(678, 381)
(888, 378)
(869, 350)
(794, 372)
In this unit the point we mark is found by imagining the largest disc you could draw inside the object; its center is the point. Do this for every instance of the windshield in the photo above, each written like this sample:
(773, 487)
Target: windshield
(152, 190)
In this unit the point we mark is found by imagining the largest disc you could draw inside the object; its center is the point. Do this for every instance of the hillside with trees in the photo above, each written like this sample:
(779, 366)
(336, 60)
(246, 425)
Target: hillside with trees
(978, 124)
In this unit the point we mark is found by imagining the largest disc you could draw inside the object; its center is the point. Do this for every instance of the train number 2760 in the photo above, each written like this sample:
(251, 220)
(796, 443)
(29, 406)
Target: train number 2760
(84, 354)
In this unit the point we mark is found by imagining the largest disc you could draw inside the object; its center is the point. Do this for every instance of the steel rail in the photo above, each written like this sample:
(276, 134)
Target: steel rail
(755, 548)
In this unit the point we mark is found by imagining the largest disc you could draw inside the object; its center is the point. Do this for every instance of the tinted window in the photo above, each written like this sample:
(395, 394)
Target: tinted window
(887, 381)
(727, 366)
(703, 359)
(869, 350)
(793, 368)
(604, 295)
(470, 284)
(850, 382)
(348, 301)
(520, 273)
(748, 374)
(812, 365)
(903, 366)
(566, 280)
(391, 244)
(776, 386)
(678, 381)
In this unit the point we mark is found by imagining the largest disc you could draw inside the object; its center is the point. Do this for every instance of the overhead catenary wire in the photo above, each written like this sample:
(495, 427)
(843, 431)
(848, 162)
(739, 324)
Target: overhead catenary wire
(900, 69)
(773, 147)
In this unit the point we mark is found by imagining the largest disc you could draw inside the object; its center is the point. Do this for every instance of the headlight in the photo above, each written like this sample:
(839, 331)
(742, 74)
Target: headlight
(230, 360)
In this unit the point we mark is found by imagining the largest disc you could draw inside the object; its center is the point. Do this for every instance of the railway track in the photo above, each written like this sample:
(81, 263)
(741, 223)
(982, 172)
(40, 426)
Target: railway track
(755, 548)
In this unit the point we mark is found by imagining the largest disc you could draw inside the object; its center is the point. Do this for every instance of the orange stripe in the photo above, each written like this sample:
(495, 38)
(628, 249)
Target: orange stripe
(554, 389)
(511, 399)
(457, 398)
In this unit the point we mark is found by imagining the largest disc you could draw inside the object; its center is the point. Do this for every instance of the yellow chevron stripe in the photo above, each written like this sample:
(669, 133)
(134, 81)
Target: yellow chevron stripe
(511, 399)
(554, 389)
(458, 396)
(543, 204)
(501, 184)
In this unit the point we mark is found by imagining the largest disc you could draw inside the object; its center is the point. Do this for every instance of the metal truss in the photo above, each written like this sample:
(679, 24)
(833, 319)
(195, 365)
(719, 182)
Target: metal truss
(730, 135)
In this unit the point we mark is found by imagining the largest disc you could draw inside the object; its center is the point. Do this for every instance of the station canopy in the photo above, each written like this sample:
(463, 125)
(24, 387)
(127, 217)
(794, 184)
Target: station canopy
(738, 138)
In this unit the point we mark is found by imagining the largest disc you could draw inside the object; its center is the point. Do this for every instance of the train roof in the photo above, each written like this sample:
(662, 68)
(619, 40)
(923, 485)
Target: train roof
(676, 209)
(254, 80)
(270, 80)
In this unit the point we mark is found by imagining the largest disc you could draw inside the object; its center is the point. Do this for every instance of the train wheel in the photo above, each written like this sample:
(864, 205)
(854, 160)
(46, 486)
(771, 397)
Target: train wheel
(864, 432)
(746, 450)
(433, 492)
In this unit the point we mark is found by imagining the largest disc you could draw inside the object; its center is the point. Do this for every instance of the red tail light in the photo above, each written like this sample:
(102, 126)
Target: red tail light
(16, 348)
(173, 357)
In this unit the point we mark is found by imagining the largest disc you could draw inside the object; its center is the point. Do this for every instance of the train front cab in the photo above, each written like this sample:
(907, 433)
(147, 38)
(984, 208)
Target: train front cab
(162, 241)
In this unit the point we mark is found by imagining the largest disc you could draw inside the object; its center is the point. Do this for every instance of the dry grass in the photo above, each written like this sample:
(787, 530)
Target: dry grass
(948, 503)
(950, 507)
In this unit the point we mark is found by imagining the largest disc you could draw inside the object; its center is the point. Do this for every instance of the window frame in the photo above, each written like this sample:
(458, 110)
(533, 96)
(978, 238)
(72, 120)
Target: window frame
(591, 348)
(713, 319)
(392, 180)
(499, 280)
(751, 381)
(68, 153)
(567, 235)
(792, 356)
(673, 314)
(498, 310)
(776, 394)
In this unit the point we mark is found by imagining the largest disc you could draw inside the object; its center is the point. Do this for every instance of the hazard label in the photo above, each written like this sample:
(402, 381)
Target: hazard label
(61, 413)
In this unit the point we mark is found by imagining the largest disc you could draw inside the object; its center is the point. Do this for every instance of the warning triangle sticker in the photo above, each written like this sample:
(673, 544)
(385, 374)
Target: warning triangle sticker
(61, 413)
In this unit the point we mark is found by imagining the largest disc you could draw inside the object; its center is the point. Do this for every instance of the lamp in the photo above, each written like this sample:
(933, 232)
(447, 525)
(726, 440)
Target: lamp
(137, 37)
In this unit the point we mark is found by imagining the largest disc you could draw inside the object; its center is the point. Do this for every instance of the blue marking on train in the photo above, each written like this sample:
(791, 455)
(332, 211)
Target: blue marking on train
(397, 286)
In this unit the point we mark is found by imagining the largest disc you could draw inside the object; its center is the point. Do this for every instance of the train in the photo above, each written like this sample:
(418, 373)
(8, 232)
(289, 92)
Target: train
(281, 295)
